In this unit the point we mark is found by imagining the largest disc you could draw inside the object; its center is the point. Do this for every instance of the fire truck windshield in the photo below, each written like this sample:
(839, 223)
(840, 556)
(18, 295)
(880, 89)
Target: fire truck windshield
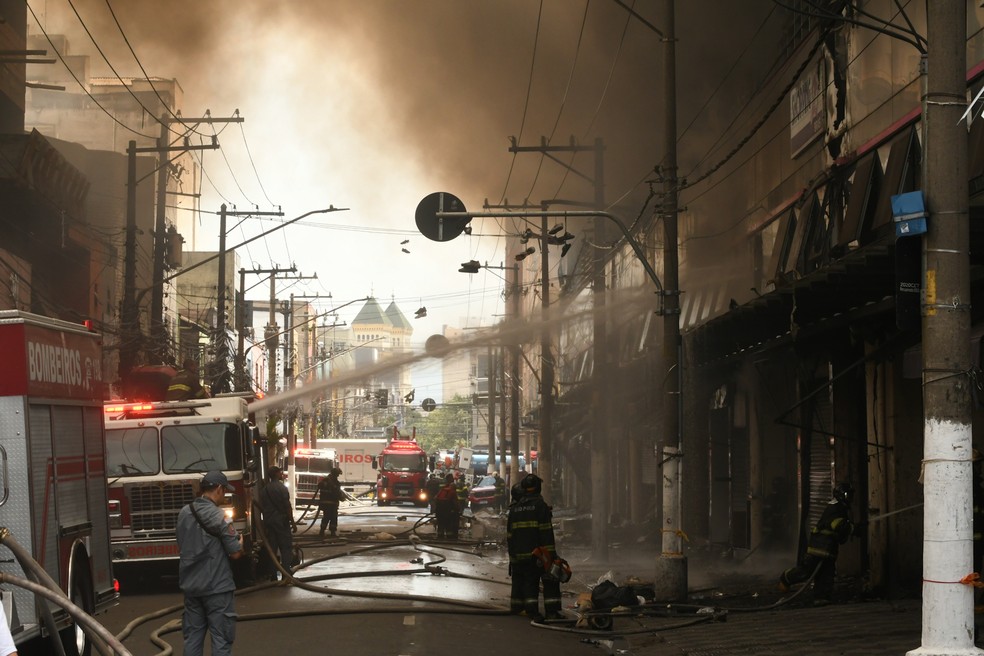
(188, 448)
(306, 463)
(403, 462)
(132, 452)
(200, 447)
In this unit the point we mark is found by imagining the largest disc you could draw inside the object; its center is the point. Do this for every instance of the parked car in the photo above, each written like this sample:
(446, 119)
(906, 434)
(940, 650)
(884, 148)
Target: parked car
(482, 495)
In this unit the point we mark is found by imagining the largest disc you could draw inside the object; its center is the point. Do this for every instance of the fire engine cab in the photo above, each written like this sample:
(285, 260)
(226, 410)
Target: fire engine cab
(53, 498)
(156, 454)
(402, 472)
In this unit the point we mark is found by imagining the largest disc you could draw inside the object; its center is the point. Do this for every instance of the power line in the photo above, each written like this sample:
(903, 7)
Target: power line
(80, 83)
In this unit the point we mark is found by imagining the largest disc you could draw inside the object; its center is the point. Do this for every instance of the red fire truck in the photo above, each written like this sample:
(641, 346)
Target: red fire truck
(156, 454)
(402, 471)
(54, 485)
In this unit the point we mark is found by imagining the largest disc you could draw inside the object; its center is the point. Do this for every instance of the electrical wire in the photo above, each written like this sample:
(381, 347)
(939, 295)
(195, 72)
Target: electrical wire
(126, 86)
(164, 103)
(81, 84)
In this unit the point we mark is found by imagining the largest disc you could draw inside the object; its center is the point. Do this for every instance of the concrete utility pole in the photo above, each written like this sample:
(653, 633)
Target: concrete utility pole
(948, 605)
(490, 375)
(544, 452)
(157, 332)
(220, 370)
(600, 488)
(671, 566)
(132, 337)
(514, 357)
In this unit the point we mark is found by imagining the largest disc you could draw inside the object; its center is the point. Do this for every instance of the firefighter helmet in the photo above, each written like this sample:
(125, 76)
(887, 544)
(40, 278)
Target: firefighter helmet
(516, 492)
(844, 492)
(532, 484)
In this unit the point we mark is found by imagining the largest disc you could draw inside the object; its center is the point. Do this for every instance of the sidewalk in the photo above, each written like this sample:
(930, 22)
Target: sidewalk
(759, 620)
(851, 629)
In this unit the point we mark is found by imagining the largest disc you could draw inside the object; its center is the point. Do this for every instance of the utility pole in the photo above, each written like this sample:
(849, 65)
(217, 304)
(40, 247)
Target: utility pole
(490, 374)
(271, 332)
(132, 337)
(157, 332)
(948, 606)
(671, 566)
(544, 453)
(600, 448)
(220, 370)
(514, 357)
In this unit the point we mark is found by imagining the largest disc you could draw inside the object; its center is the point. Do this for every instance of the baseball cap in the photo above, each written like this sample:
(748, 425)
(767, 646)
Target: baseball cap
(216, 479)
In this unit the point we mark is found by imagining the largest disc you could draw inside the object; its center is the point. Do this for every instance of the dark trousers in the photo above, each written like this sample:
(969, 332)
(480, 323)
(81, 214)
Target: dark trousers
(281, 541)
(329, 517)
(823, 582)
(524, 595)
(447, 523)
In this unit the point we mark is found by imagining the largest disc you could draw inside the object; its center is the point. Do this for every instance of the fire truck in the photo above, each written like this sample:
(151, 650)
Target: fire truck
(310, 466)
(52, 466)
(156, 454)
(401, 471)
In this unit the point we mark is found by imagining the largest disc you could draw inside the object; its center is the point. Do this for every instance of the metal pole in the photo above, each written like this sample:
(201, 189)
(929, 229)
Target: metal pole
(948, 607)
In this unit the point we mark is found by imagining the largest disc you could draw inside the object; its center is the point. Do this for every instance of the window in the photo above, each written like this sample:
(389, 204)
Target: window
(200, 448)
(132, 452)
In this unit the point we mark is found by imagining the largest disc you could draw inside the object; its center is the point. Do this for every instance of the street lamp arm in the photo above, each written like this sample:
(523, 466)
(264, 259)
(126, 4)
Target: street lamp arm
(330, 208)
(566, 214)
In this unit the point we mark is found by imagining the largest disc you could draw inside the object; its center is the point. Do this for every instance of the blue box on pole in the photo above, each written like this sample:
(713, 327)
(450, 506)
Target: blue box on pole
(909, 214)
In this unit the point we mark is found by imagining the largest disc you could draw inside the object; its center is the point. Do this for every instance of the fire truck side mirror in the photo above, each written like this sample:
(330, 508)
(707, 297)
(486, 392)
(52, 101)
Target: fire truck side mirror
(432, 461)
(375, 465)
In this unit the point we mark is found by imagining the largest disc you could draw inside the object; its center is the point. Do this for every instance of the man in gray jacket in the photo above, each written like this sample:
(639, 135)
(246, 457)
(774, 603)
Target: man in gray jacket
(208, 542)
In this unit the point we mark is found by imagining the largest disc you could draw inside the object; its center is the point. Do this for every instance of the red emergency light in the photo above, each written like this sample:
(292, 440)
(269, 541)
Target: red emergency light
(409, 446)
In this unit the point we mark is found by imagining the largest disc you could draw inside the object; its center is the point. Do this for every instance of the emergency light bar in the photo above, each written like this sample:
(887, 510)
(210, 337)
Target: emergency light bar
(403, 444)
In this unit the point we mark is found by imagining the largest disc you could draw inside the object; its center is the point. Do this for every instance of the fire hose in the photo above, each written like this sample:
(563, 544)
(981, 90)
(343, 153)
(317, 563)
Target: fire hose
(46, 587)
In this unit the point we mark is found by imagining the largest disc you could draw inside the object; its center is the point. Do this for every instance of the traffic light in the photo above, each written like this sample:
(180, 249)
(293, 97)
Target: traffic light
(382, 398)
(471, 266)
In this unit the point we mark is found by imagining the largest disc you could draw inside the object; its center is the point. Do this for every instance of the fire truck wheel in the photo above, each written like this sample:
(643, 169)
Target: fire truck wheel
(75, 640)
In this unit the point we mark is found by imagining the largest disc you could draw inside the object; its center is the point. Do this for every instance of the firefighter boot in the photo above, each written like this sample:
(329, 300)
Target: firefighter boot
(321, 533)
(332, 534)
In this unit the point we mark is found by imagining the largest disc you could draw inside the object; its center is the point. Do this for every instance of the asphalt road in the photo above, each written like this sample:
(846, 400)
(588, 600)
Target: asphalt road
(374, 591)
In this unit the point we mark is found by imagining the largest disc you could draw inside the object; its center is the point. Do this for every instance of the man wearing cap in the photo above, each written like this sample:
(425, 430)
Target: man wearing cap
(278, 518)
(208, 541)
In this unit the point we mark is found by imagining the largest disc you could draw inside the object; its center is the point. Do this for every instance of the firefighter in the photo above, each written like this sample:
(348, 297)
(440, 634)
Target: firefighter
(330, 496)
(832, 530)
(530, 539)
(186, 384)
(447, 509)
(433, 487)
(500, 491)
(278, 518)
(461, 489)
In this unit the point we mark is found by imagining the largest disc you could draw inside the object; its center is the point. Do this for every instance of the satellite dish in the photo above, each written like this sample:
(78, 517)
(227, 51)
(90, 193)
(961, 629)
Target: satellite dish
(440, 229)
